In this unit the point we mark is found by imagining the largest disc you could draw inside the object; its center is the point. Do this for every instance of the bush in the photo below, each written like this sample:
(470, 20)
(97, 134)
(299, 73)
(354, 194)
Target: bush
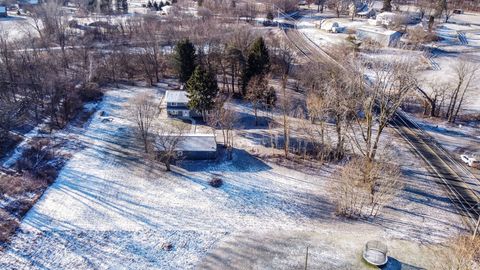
(215, 182)
(90, 92)
(363, 188)
(167, 246)
(16, 185)
(40, 160)
(8, 225)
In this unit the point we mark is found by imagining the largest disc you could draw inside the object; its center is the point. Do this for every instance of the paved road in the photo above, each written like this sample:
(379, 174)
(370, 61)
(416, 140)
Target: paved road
(462, 186)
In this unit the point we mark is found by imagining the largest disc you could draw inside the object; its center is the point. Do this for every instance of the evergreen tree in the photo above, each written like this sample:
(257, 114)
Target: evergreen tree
(155, 5)
(270, 16)
(149, 4)
(202, 89)
(258, 61)
(184, 60)
(161, 5)
(387, 5)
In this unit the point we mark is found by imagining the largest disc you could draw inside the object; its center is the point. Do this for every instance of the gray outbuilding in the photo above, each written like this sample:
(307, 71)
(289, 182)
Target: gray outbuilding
(196, 147)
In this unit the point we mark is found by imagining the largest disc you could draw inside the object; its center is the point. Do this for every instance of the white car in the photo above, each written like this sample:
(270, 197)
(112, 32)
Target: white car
(470, 161)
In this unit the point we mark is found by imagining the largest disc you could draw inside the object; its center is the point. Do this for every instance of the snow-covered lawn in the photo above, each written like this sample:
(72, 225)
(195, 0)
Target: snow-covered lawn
(109, 209)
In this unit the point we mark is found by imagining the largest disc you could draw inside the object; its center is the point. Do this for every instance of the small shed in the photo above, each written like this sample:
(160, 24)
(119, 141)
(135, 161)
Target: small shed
(3, 11)
(330, 26)
(196, 147)
(383, 36)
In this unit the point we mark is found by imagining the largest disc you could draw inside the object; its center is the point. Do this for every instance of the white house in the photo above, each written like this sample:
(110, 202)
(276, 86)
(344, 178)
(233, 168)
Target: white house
(383, 36)
(386, 18)
(177, 104)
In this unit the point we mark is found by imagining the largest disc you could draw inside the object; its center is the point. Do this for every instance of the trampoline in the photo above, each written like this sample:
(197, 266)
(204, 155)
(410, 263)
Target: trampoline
(375, 253)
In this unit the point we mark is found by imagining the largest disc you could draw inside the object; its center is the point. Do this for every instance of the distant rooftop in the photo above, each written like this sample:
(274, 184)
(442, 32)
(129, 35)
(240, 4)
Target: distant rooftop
(176, 96)
(377, 30)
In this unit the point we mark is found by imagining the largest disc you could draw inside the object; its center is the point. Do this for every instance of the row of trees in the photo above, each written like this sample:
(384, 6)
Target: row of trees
(199, 75)
(446, 99)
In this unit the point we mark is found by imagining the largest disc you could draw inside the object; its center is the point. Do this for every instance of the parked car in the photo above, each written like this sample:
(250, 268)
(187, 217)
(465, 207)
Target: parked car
(464, 158)
(470, 161)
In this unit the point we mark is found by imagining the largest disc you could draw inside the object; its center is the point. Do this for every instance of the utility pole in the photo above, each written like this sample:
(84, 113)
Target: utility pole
(306, 259)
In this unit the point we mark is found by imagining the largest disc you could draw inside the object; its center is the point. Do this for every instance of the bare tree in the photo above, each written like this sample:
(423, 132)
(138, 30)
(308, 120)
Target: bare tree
(465, 73)
(167, 139)
(144, 109)
(339, 6)
(354, 197)
(224, 119)
(257, 93)
(379, 100)
(435, 98)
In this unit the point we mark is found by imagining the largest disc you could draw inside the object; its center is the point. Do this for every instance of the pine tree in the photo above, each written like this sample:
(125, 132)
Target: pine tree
(155, 5)
(185, 59)
(258, 61)
(387, 5)
(202, 89)
(161, 5)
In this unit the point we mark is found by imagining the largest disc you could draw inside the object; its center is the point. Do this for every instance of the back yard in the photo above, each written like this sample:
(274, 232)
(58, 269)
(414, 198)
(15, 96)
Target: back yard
(108, 209)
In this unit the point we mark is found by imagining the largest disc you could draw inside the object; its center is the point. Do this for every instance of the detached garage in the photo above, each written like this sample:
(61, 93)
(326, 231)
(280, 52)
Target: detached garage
(196, 147)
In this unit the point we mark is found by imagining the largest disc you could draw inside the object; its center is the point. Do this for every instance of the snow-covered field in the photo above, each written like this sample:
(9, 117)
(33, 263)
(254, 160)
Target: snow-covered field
(16, 27)
(109, 209)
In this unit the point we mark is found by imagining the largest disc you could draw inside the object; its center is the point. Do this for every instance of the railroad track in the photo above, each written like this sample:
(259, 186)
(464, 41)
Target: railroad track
(462, 187)
(307, 48)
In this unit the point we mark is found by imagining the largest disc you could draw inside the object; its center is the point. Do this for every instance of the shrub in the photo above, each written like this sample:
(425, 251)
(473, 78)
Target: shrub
(90, 92)
(40, 160)
(167, 246)
(15, 185)
(215, 182)
(363, 188)
(8, 225)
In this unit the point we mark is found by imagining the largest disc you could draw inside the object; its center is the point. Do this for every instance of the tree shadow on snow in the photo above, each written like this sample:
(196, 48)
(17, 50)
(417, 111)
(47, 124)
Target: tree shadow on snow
(242, 161)
(394, 264)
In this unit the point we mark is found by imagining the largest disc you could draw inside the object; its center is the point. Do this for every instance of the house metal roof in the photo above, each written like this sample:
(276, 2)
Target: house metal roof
(176, 96)
(197, 143)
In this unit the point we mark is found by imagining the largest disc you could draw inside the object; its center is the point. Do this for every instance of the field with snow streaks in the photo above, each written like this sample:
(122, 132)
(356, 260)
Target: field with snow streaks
(109, 209)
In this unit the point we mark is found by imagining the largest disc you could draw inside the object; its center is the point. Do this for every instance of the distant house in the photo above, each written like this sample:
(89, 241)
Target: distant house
(196, 147)
(384, 37)
(386, 18)
(3, 11)
(177, 104)
(24, 3)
